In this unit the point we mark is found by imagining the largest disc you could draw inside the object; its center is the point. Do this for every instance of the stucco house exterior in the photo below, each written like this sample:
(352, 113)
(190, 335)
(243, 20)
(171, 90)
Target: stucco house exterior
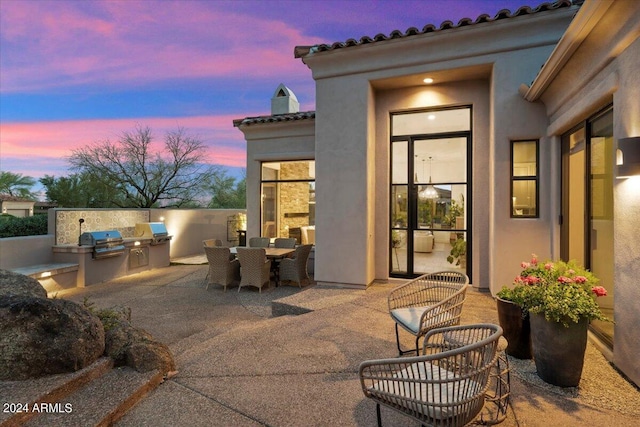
(497, 136)
(16, 206)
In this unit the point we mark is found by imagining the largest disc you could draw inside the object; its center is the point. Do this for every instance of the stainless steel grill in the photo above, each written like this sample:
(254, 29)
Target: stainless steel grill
(105, 243)
(156, 231)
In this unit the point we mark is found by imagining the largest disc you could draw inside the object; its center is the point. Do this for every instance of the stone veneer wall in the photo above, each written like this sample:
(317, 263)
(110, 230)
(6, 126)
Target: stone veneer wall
(67, 227)
(294, 196)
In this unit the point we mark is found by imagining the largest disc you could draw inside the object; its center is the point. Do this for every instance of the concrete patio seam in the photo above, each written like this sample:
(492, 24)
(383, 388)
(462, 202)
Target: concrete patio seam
(225, 405)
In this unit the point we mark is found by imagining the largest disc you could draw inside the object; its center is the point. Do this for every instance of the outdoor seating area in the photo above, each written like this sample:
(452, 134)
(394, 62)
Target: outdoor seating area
(446, 385)
(258, 264)
(314, 359)
(430, 301)
(458, 375)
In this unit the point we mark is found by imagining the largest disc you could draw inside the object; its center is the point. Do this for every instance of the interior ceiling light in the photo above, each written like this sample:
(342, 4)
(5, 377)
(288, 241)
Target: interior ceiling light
(429, 192)
(428, 80)
(431, 117)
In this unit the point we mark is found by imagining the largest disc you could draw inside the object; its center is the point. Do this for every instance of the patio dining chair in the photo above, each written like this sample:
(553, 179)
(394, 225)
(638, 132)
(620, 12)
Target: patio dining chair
(285, 242)
(212, 242)
(223, 270)
(446, 385)
(259, 242)
(255, 268)
(294, 269)
(433, 300)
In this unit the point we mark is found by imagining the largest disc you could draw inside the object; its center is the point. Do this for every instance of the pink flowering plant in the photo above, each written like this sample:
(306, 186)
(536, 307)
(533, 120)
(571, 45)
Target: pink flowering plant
(563, 292)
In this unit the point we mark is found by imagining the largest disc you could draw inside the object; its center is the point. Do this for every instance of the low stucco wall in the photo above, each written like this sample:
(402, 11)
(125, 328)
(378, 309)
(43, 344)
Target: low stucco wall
(17, 252)
(189, 227)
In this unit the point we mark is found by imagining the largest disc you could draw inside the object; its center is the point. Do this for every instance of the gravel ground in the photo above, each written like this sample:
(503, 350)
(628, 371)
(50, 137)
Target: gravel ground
(599, 377)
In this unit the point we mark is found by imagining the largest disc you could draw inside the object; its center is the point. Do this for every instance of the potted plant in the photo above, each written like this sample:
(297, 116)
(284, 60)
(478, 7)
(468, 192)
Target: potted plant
(458, 253)
(456, 210)
(561, 300)
(513, 316)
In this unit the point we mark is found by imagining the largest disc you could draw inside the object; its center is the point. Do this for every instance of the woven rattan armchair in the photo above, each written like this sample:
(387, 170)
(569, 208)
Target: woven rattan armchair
(295, 269)
(212, 242)
(446, 385)
(255, 268)
(222, 269)
(430, 301)
(284, 242)
(259, 242)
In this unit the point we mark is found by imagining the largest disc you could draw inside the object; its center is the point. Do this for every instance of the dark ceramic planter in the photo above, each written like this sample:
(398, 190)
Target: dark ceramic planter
(516, 329)
(558, 351)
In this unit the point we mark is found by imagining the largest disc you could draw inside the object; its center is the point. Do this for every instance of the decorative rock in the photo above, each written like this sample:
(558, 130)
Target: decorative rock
(145, 356)
(42, 337)
(18, 284)
(136, 348)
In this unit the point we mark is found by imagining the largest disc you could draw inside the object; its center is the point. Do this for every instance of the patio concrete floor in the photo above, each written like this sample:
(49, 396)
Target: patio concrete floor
(238, 366)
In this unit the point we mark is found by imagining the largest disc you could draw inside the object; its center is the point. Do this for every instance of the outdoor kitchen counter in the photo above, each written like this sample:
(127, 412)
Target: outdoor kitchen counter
(139, 255)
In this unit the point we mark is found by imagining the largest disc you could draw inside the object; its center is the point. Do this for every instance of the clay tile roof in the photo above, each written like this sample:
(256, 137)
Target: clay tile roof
(301, 51)
(9, 198)
(305, 115)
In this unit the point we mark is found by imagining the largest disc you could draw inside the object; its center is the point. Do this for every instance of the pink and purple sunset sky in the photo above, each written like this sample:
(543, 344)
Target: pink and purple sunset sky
(75, 72)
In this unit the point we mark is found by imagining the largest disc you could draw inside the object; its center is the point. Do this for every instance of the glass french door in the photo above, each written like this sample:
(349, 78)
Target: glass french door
(587, 206)
(429, 204)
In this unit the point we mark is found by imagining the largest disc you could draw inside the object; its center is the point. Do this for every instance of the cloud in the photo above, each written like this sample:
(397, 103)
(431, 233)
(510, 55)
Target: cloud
(47, 144)
(55, 44)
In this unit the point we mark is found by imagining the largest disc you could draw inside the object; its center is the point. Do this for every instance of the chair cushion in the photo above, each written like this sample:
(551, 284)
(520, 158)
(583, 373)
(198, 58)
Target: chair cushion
(409, 317)
(435, 400)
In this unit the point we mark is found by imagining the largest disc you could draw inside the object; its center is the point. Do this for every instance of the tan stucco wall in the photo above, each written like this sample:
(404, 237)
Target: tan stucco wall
(267, 142)
(513, 240)
(17, 252)
(352, 185)
(189, 227)
(605, 69)
(474, 93)
(344, 182)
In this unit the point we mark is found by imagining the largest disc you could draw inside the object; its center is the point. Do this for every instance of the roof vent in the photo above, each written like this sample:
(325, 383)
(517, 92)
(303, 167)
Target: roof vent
(284, 101)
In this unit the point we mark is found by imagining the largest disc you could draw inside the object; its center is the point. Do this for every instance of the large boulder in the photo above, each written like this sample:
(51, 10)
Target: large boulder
(41, 336)
(18, 284)
(136, 348)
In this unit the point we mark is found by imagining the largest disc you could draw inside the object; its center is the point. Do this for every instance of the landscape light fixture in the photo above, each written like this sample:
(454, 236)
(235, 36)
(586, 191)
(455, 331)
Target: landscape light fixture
(628, 157)
(429, 192)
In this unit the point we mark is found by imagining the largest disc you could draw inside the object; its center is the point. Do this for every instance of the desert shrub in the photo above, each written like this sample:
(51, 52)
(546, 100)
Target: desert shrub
(11, 226)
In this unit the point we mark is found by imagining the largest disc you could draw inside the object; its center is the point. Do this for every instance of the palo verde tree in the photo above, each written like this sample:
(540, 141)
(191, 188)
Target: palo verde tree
(145, 176)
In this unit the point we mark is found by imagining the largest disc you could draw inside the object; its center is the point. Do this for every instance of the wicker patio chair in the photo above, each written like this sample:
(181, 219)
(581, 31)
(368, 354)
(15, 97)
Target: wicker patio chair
(295, 269)
(259, 242)
(254, 267)
(430, 301)
(222, 269)
(446, 385)
(285, 242)
(212, 242)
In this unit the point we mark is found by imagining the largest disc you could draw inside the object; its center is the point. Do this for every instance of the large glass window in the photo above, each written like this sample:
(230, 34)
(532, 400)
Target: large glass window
(524, 179)
(288, 200)
(587, 206)
(429, 203)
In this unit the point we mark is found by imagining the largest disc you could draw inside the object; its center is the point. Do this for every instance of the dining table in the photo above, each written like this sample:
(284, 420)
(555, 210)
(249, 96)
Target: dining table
(274, 254)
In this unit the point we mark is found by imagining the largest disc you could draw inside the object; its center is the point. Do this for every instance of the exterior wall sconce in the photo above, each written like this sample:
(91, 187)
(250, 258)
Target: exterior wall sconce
(628, 157)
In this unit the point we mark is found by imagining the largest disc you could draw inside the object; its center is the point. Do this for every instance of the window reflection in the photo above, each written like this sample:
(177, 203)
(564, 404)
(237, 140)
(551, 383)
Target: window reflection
(288, 200)
(524, 178)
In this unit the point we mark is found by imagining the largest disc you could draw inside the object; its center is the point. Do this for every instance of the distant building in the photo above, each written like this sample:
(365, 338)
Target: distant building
(43, 207)
(16, 206)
